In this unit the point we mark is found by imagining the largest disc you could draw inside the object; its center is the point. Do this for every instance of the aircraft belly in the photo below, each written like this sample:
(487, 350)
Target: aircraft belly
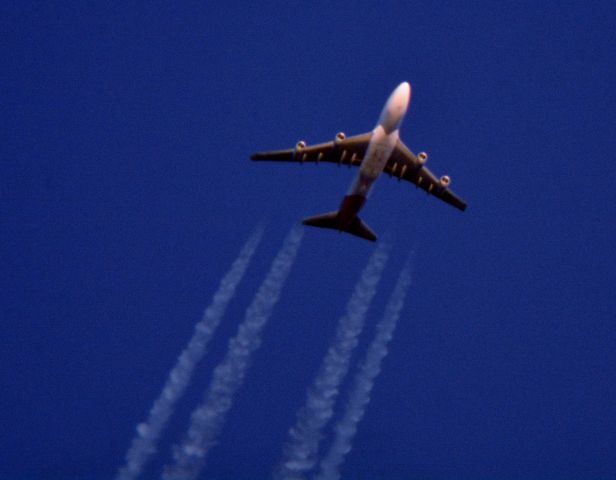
(379, 150)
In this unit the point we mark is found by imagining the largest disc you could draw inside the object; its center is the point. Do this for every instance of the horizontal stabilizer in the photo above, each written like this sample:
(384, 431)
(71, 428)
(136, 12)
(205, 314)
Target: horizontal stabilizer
(325, 220)
(332, 220)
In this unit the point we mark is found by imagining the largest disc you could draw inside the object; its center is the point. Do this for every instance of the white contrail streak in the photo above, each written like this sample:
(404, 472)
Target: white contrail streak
(207, 419)
(364, 380)
(300, 453)
(143, 445)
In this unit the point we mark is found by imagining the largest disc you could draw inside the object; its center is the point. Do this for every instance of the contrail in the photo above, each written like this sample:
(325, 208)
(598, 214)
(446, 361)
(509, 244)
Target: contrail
(208, 418)
(364, 380)
(300, 453)
(143, 445)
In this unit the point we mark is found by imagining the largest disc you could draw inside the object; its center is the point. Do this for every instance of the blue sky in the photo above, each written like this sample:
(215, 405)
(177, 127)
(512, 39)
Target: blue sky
(126, 193)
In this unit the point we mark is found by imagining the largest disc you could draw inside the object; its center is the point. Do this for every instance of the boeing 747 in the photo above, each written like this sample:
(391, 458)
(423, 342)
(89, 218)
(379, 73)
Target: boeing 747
(380, 150)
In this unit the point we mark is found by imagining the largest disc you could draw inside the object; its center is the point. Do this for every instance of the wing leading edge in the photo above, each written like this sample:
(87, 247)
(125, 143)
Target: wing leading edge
(343, 151)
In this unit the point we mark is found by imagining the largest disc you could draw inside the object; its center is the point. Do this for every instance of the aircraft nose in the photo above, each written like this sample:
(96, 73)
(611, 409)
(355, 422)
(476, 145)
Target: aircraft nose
(396, 107)
(403, 91)
(401, 97)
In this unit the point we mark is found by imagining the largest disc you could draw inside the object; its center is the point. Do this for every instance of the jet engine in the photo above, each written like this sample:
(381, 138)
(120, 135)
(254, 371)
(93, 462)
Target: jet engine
(299, 146)
(422, 157)
(339, 137)
(445, 181)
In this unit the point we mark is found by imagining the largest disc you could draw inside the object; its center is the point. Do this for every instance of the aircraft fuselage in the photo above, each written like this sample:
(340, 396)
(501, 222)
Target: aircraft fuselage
(382, 143)
(374, 152)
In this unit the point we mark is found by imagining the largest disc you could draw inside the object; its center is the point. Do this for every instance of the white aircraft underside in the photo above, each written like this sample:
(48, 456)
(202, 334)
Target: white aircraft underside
(374, 152)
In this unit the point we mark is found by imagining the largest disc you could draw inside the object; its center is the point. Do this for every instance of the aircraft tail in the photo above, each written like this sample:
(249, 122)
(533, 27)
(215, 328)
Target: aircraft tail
(332, 220)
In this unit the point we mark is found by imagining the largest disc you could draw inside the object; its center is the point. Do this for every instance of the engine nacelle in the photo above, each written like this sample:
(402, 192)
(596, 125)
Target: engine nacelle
(422, 157)
(299, 146)
(339, 137)
(445, 181)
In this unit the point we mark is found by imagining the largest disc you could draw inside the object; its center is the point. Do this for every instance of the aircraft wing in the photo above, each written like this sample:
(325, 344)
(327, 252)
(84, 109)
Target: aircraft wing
(405, 165)
(343, 151)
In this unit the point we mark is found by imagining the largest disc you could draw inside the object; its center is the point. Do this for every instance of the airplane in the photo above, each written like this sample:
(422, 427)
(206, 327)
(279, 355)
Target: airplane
(375, 152)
